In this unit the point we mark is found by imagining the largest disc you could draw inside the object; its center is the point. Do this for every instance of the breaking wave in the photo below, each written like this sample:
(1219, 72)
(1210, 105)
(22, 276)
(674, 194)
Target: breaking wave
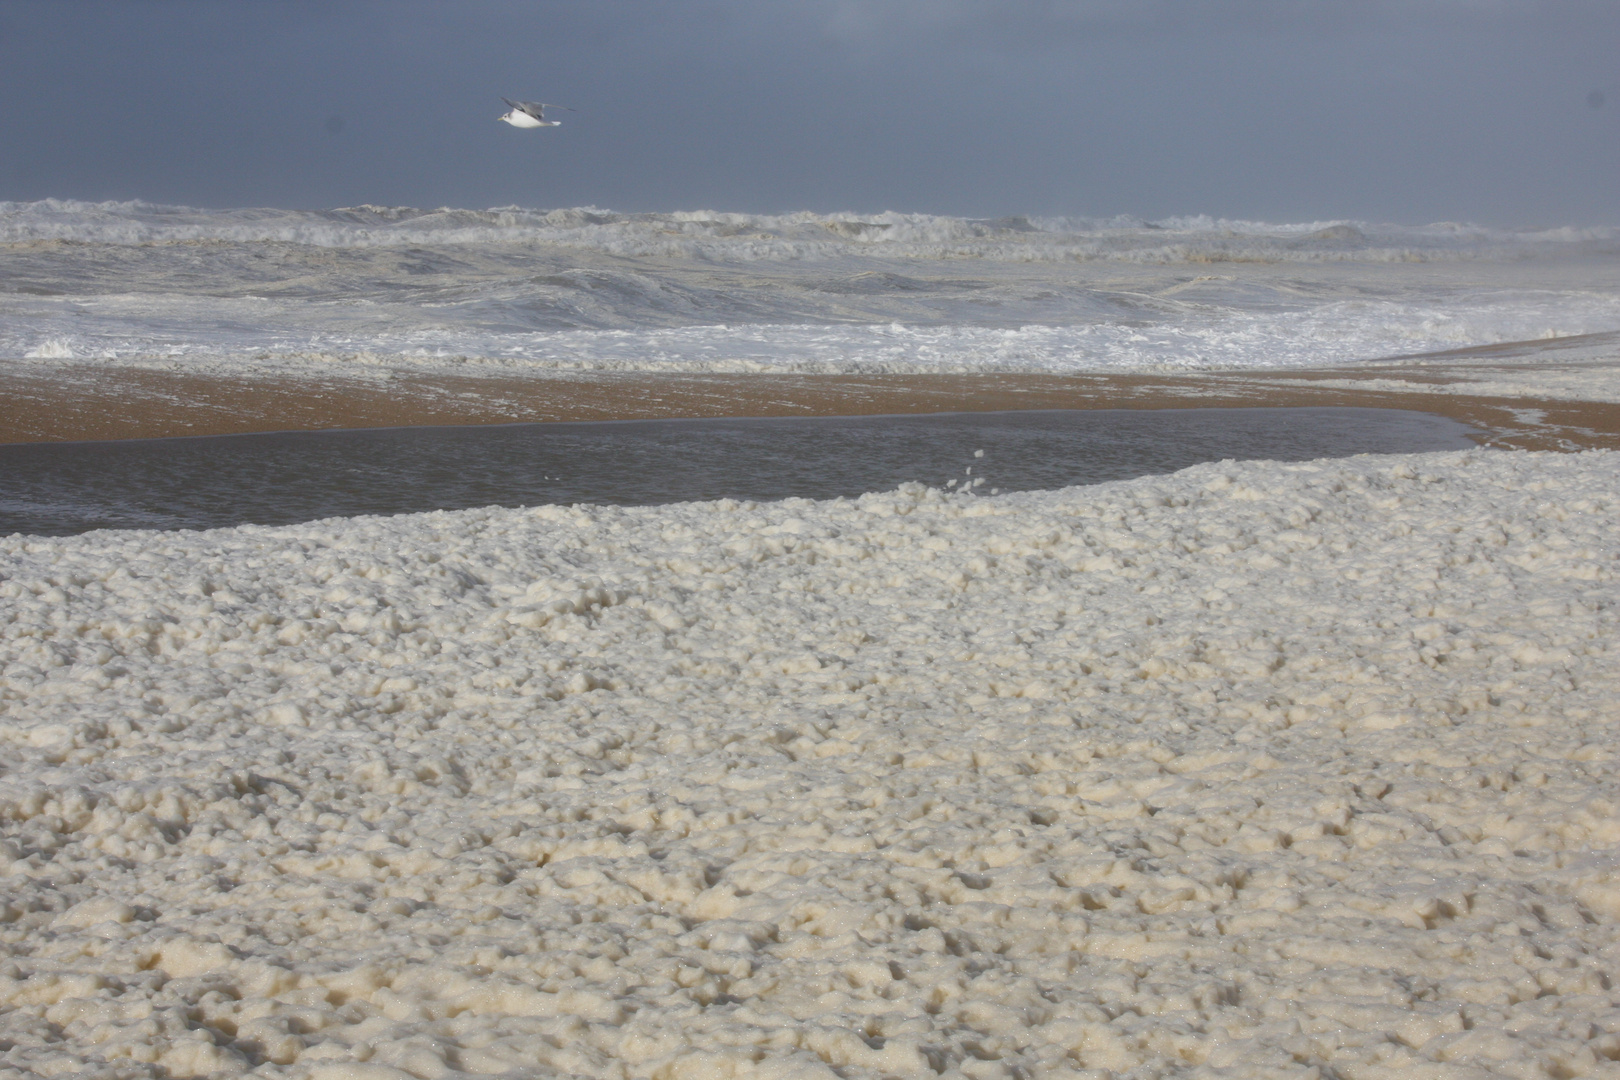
(802, 235)
(372, 289)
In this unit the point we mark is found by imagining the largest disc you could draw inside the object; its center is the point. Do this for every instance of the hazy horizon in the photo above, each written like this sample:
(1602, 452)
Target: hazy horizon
(1504, 112)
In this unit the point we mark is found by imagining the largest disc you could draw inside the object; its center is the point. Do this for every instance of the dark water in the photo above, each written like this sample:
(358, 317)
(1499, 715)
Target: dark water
(199, 483)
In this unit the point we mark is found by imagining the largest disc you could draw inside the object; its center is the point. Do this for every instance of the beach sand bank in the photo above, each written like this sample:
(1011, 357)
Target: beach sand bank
(1525, 395)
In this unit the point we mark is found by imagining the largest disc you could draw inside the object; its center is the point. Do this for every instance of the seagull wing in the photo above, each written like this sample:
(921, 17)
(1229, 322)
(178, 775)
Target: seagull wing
(533, 108)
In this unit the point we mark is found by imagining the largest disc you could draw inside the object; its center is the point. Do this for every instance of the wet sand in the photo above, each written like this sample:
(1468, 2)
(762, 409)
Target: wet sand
(84, 401)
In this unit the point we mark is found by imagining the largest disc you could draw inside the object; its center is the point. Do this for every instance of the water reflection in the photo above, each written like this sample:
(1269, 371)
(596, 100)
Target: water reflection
(194, 483)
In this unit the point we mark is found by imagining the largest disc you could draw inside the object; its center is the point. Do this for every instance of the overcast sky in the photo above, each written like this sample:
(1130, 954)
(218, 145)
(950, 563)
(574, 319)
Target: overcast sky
(1495, 111)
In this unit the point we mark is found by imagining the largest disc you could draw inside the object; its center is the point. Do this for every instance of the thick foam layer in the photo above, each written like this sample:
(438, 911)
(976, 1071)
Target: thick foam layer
(228, 339)
(1256, 769)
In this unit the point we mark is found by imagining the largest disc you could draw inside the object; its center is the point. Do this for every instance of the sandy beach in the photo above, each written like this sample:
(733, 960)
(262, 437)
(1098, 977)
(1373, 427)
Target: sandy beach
(1519, 396)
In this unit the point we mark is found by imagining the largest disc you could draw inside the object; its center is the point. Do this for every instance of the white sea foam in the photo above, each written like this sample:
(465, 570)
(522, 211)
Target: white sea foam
(1254, 770)
(1226, 340)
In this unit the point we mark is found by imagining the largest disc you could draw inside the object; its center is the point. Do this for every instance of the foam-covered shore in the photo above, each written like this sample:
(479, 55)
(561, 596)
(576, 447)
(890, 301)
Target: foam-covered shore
(1252, 770)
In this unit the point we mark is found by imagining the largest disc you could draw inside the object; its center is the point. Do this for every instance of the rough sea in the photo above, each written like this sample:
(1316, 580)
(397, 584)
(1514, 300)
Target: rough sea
(367, 290)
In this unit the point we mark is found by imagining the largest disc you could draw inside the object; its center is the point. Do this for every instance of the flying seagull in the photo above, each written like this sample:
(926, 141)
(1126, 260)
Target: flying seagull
(530, 114)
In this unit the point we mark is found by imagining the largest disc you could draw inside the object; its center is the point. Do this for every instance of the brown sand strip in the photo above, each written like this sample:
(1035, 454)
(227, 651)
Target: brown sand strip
(70, 402)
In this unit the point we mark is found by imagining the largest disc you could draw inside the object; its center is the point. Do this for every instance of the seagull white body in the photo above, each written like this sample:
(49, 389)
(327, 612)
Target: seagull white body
(530, 114)
(524, 120)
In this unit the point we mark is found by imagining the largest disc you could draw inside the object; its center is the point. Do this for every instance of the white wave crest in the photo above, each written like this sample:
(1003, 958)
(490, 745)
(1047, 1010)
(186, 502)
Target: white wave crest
(793, 236)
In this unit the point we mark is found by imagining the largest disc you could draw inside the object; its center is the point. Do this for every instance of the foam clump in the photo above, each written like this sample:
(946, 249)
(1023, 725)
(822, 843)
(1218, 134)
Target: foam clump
(1257, 769)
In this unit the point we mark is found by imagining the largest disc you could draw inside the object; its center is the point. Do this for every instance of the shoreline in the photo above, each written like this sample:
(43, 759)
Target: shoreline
(69, 403)
(1548, 394)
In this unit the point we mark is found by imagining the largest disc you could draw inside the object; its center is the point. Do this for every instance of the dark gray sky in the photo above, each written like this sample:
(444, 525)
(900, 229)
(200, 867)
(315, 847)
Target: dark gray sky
(1495, 111)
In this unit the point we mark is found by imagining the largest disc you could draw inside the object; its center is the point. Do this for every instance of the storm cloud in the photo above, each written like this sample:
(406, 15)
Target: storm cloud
(1498, 112)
